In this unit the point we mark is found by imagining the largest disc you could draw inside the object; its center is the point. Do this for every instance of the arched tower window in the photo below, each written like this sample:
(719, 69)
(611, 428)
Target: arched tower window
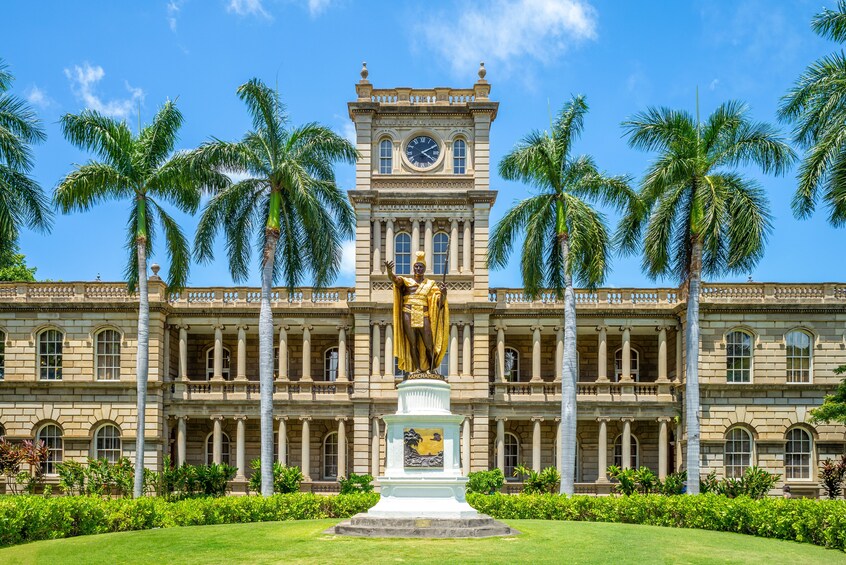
(402, 254)
(459, 157)
(440, 245)
(386, 156)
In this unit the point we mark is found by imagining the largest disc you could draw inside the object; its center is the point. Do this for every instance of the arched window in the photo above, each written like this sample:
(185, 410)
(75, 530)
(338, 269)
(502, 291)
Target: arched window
(799, 352)
(797, 455)
(618, 364)
(459, 157)
(402, 254)
(441, 243)
(330, 364)
(386, 156)
(738, 357)
(108, 355)
(634, 448)
(512, 365)
(224, 449)
(2, 355)
(107, 443)
(738, 452)
(330, 456)
(512, 454)
(210, 363)
(51, 435)
(50, 355)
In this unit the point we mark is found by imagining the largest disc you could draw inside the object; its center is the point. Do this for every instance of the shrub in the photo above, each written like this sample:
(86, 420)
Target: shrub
(626, 482)
(285, 479)
(356, 483)
(538, 483)
(485, 482)
(674, 484)
(831, 476)
(709, 483)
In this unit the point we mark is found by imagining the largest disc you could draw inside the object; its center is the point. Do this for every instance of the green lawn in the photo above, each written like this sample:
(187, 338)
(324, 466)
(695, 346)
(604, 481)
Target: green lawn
(304, 542)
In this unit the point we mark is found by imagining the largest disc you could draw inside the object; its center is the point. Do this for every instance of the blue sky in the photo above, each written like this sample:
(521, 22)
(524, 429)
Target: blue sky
(624, 56)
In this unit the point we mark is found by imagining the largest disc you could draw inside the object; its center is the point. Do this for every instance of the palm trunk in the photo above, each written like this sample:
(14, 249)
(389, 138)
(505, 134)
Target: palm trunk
(568, 378)
(266, 364)
(142, 365)
(692, 369)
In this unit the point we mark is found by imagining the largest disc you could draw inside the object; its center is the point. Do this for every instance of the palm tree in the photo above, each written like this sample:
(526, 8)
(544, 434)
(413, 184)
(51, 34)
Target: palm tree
(699, 215)
(816, 105)
(22, 202)
(293, 207)
(564, 237)
(142, 170)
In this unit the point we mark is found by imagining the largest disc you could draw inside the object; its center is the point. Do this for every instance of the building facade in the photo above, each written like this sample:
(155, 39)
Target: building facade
(768, 351)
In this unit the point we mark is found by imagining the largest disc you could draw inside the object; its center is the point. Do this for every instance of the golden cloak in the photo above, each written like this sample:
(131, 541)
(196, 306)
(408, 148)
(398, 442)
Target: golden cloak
(438, 320)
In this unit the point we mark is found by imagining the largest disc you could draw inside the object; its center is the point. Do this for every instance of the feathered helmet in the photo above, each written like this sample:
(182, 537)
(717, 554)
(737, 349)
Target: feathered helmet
(421, 258)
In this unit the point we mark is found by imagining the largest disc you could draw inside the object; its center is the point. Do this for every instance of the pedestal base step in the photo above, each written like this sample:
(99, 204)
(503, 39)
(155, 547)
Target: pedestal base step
(362, 525)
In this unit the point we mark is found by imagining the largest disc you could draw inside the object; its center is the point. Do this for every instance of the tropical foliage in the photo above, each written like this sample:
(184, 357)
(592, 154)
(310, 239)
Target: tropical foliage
(290, 204)
(564, 237)
(833, 408)
(697, 215)
(13, 267)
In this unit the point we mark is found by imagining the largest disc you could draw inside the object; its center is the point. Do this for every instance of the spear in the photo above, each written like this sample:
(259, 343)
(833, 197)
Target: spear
(446, 262)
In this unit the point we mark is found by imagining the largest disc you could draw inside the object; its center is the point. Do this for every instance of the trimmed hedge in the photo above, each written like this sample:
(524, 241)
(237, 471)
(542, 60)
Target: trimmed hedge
(29, 518)
(820, 522)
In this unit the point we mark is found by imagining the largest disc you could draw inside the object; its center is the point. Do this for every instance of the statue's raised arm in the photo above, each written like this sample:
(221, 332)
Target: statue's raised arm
(389, 266)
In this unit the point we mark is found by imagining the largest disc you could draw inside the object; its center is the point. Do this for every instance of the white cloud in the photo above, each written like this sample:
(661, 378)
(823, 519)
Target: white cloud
(317, 7)
(38, 97)
(714, 84)
(348, 259)
(83, 83)
(173, 8)
(247, 8)
(508, 31)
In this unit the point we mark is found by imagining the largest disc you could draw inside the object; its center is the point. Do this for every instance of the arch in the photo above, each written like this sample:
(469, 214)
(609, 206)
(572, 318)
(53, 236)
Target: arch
(227, 363)
(799, 355)
(634, 451)
(385, 148)
(49, 346)
(331, 365)
(512, 365)
(635, 363)
(739, 343)
(329, 452)
(107, 443)
(107, 345)
(440, 246)
(459, 156)
(53, 437)
(799, 456)
(224, 448)
(739, 451)
(511, 446)
(402, 253)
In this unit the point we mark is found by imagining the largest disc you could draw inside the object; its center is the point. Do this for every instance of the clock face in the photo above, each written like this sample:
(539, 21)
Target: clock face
(422, 151)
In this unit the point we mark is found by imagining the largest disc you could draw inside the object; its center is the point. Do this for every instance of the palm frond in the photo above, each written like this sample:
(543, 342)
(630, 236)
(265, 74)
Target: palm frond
(131, 270)
(178, 249)
(266, 111)
(506, 231)
(90, 184)
(569, 124)
(661, 129)
(22, 203)
(106, 137)
(19, 127)
(532, 162)
(831, 23)
(157, 140)
(748, 222)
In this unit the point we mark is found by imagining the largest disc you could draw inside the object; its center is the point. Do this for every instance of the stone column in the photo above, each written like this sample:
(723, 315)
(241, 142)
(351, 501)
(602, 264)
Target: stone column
(306, 354)
(282, 441)
(602, 452)
(374, 447)
(342, 353)
(602, 355)
(377, 247)
(283, 353)
(662, 447)
(389, 349)
(453, 350)
(389, 240)
(626, 372)
(375, 345)
(217, 440)
(679, 346)
(415, 239)
(626, 441)
(183, 353)
(218, 353)
(240, 447)
(500, 444)
(166, 353)
(467, 351)
(453, 247)
(500, 353)
(427, 246)
(306, 449)
(467, 251)
(559, 352)
(679, 453)
(342, 447)
(242, 354)
(181, 440)
(536, 353)
(465, 447)
(662, 354)
(536, 444)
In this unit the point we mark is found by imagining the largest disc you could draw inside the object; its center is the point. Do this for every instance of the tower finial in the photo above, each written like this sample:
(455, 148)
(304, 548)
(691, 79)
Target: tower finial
(482, 71)
(364, 72)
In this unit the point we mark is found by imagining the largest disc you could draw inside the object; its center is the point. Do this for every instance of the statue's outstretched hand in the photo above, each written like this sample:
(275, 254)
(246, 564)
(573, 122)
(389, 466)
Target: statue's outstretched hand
(390, 266)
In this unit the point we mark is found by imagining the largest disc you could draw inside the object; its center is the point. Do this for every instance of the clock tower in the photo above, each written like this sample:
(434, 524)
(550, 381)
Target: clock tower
(423, 184)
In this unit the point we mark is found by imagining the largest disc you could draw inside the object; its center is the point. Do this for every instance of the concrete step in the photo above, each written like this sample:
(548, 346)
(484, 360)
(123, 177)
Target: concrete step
(362, 525)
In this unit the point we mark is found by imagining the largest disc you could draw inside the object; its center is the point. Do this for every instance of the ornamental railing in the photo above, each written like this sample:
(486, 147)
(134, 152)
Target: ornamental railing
(585, 392)
(243, 390)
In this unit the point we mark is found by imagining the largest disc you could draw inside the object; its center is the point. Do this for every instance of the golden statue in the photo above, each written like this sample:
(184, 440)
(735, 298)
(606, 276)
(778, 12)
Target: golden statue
(421, 320)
